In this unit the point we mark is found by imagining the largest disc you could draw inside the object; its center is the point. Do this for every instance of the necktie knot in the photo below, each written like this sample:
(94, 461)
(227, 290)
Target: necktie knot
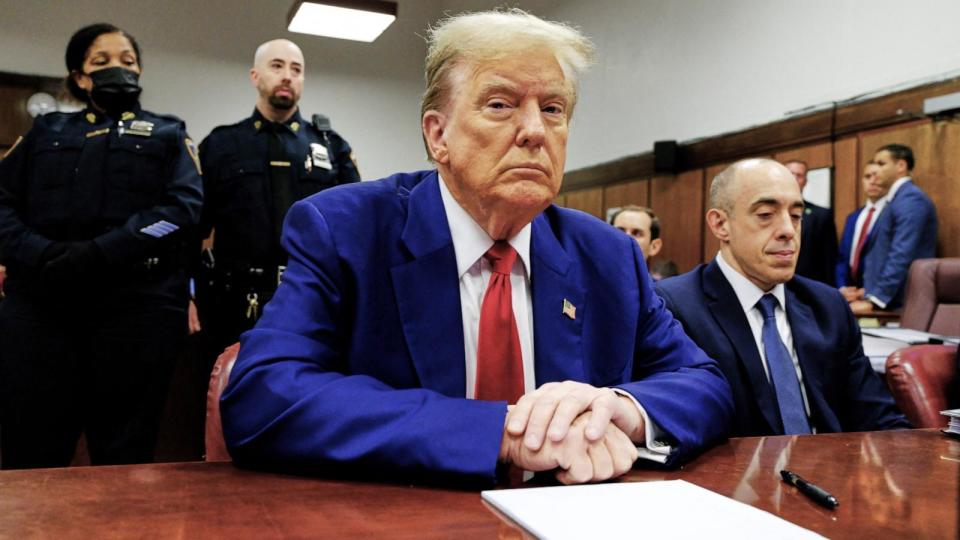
(501, 257)
(767, 306)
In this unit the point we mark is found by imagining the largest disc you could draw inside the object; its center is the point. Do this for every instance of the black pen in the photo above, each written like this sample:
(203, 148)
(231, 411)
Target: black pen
(817, 493)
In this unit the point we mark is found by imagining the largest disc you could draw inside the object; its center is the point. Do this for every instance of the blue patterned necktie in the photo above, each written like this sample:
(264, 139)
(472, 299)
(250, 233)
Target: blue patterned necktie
(786, 385)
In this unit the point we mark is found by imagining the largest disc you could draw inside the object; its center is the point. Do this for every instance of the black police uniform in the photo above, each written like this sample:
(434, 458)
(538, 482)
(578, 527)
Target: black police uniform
(90, 345)
(254, 171)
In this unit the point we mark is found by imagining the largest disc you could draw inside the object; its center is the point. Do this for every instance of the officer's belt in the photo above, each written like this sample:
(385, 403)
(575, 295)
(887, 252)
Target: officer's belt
(256, 277)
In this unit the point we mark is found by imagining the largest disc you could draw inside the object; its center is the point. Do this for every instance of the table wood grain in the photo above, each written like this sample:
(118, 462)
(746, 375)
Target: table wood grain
(890, 484)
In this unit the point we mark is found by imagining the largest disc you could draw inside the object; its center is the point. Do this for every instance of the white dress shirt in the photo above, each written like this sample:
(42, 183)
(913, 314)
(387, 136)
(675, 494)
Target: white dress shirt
(470, 242)
(878, 207)
(886, 200)
(749, 294)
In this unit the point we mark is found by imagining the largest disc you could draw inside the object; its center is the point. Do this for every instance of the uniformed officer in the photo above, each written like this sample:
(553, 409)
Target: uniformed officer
(254, 171)
(96, 208)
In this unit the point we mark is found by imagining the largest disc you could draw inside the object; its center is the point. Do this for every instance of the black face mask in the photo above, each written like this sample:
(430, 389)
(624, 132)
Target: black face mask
(115, 89)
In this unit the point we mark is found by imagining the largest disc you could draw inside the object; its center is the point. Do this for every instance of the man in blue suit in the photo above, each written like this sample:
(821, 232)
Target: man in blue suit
(906, 231)
(789, 346)
(856, 232)
(414, 309)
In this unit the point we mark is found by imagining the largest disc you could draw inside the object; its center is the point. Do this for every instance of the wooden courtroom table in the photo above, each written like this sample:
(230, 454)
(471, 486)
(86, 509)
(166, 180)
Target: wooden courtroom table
(890, 484)
(878, 317)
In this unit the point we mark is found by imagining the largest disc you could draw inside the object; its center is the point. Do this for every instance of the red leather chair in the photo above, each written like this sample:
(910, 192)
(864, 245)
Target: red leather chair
(924, 381)
(215, 447)
(931, 302)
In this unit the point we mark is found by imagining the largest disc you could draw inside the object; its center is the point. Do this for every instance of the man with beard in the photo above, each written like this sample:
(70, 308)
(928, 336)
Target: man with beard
(254, 171)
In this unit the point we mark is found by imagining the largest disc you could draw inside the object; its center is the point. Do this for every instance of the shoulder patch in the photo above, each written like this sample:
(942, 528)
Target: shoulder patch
(15, 143)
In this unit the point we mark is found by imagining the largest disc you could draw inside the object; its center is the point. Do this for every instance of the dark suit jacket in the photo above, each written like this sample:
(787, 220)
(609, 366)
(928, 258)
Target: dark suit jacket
(847, 245)
(818, 244)
(905, 231)
(843, 276)
(358, 361)
(843, 391)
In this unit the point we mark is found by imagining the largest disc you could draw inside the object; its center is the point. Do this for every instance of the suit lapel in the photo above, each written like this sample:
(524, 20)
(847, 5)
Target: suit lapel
(558, 349)
(806, 341)
(427, 290)
(885, 216)
(873, 232)
(727, 311)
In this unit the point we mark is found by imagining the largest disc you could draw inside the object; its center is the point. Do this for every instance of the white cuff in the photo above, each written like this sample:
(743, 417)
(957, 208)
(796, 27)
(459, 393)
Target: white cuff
(876, 301)
(654, 448)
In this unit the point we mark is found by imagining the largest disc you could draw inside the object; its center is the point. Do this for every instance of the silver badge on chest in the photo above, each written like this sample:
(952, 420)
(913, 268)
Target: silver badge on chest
(319, 156)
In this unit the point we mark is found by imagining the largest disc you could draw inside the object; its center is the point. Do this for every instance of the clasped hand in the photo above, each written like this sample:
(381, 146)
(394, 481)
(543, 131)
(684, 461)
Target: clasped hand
(587, 434)
(852, 294)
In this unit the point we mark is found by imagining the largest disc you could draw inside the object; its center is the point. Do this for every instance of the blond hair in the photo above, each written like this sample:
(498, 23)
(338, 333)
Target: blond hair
(486, 36)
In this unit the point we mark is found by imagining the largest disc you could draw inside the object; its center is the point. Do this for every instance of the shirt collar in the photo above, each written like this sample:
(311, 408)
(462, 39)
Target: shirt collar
(294, 123)
(747, 293)
(93, 116)
(896, 187)
(878, 204)
(470, 241)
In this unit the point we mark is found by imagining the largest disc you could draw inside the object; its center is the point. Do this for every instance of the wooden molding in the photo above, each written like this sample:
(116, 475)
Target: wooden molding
(820, 126)
(40, 83)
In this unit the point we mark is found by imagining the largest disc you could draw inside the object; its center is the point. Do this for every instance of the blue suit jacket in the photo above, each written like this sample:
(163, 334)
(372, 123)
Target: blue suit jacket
(358, 361)
(905, 231)
(842, 273)
(843, 391)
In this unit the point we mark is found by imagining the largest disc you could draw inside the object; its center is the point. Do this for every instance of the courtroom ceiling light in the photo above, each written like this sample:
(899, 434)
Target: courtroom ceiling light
(359, 20)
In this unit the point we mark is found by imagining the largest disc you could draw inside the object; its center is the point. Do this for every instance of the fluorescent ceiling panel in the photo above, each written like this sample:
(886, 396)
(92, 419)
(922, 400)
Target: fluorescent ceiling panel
(340, 22)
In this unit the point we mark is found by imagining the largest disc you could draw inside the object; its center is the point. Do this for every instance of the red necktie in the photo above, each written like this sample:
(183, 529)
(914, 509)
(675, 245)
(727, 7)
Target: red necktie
(499, 362)
(860, 241)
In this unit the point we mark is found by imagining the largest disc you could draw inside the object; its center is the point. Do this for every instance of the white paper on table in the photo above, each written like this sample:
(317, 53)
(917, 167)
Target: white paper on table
(877, 349)
(663, 509)
(913, 337)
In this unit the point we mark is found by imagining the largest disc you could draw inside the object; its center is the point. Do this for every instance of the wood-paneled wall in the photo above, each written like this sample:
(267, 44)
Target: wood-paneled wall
(15, 90)
(681, 200)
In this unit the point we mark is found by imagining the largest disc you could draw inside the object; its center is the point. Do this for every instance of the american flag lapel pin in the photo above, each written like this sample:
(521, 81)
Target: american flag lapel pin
(569, 309)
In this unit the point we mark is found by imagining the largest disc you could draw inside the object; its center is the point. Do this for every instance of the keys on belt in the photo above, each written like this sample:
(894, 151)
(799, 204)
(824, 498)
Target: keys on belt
(253, 299)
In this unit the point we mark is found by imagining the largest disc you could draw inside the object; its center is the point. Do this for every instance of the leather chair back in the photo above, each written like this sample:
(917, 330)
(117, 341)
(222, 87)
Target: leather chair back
(215, 447)
(932, 297)
(924, 381)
